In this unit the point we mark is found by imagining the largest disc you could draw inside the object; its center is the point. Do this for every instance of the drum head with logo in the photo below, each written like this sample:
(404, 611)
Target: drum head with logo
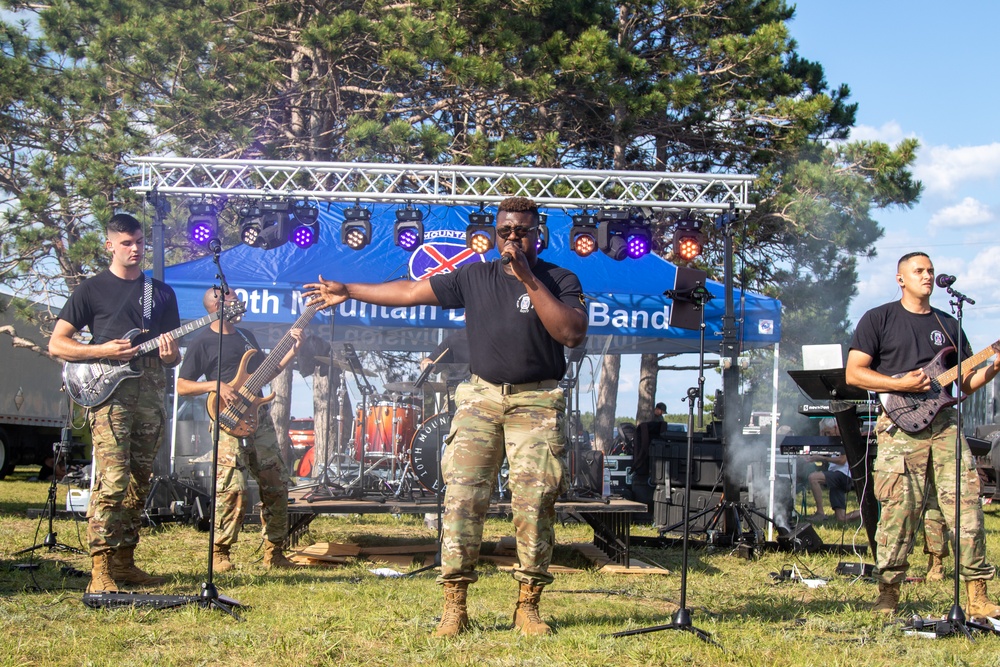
(427, 449)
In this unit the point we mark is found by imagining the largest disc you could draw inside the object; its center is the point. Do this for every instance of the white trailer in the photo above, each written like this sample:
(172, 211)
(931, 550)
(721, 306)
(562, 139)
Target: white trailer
(33, 409)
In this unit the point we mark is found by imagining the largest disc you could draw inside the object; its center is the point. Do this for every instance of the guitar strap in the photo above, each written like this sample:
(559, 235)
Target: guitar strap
(945, 330)
(147, 302)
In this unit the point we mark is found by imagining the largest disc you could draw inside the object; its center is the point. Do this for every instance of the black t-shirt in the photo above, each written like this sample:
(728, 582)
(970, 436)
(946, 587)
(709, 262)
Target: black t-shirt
(899, 341)
(109, 307)
(202, 356)
(454, 349)
(507, 340)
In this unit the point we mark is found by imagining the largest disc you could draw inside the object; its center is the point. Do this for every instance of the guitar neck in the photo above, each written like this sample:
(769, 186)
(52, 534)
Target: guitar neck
(182, 330)
(271, 366)
(968, 365)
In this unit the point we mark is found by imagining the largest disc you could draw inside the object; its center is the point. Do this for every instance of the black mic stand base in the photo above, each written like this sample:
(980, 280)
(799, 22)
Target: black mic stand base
(681, 621)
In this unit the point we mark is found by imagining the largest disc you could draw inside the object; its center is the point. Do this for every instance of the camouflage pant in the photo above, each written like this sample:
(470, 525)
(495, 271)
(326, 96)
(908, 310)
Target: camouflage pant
(261, 457)
(935, 528)
(912, 468)
(528, 427)
(126, 430)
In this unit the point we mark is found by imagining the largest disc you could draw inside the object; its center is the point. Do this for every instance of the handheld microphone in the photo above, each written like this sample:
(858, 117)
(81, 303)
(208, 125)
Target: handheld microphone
(944, 280)
(505, 259)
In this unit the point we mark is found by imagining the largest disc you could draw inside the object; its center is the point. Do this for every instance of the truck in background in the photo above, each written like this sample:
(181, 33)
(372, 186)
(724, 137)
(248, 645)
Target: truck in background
(33, 408)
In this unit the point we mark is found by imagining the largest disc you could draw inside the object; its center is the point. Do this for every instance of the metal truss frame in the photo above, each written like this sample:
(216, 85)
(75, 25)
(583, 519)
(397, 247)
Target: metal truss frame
(438, 184)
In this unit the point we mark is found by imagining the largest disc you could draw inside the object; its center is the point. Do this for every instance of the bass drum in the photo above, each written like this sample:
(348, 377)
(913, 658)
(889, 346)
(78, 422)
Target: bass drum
(426, 451)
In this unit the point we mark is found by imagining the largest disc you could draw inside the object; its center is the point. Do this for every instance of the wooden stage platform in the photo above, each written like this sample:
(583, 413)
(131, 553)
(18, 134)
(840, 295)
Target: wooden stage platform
(609, 517)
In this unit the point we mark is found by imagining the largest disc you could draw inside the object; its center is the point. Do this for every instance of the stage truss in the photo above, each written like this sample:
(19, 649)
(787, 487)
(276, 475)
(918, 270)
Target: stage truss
(443, 185)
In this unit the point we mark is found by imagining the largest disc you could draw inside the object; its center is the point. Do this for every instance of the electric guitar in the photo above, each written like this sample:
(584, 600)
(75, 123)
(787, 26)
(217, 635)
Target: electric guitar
(239, 417)
(914, 411)
(90, 383)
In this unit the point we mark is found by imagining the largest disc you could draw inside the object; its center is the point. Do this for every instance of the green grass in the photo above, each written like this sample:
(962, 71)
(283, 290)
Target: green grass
(345, 615)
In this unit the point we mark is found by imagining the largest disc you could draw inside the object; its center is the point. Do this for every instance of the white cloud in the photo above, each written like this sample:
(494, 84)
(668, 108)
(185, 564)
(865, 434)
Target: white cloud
(943, 169)
(969, 212)
(890, 132)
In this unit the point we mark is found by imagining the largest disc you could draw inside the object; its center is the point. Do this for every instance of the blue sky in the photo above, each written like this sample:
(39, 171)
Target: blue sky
(922, 70)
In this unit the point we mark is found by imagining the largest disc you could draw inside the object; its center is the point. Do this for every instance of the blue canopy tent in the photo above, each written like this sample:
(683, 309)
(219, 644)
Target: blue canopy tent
(625, 298)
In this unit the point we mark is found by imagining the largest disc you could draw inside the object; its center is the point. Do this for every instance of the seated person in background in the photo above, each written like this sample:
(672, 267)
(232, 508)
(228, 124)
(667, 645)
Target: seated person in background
(837, 478)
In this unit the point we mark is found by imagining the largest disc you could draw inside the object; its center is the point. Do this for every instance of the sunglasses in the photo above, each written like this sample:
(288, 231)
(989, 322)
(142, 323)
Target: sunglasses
(516, 230)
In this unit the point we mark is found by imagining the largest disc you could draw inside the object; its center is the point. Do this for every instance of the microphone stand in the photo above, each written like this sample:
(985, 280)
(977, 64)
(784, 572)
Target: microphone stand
(209, 596)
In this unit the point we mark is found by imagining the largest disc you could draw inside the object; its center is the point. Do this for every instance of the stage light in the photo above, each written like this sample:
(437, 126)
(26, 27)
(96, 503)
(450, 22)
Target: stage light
(543, 237)
(265, 224)
(356, 232)
(304, 224)
(688, 239)
(409, 228)
(611, 233)
(583, 235)
(480, 235)
(203, 222)
(638, 239)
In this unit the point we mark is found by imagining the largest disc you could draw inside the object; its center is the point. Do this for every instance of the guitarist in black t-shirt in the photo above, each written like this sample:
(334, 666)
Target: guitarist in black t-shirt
(128, 427)
(258, 452)
(891, 352)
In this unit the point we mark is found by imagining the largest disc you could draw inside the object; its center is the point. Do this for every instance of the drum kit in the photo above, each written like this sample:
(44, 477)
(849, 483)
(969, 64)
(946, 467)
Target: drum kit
(391, 450)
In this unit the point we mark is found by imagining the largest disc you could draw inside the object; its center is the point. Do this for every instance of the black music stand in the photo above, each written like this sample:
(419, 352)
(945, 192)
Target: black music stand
(831, 385)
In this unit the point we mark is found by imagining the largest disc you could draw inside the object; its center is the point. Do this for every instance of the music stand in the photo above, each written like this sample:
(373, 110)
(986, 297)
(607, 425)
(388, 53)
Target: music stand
(831, 385)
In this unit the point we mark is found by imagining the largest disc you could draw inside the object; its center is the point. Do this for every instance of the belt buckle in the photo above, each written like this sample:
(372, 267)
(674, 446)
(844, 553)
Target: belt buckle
(506, 389)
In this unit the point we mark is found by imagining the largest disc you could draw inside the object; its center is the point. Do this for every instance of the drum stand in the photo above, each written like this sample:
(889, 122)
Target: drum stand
(366, 389)
(325, 489)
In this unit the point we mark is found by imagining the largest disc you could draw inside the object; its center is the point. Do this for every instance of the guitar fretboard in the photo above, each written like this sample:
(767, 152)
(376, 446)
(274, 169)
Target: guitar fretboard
(968, 365)
(182, 330)
(269, 368)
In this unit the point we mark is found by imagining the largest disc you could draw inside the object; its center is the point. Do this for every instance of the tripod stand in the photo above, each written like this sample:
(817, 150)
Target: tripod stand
(60, 450)
(682, 617)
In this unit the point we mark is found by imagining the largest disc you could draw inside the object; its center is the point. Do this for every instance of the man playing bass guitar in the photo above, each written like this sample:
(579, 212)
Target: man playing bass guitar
(258, 452)
(915, 464)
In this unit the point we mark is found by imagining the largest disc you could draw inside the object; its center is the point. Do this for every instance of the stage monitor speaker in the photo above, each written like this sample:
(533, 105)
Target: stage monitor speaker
(587, 469)
(801, 538)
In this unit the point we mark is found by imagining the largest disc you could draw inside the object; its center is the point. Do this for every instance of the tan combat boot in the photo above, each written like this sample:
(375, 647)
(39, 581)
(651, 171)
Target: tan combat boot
(220, 558)
(455, 618)
(101, 580)
(526, 617)
(888, 599)
(935, 567)
(274, 556)
(124, 570)
(979, 604)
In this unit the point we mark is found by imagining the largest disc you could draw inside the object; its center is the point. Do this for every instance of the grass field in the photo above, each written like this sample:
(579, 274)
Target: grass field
(347, 616)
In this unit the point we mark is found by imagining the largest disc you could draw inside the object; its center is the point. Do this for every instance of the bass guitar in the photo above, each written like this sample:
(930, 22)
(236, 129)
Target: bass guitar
(914, 411)
(239, 417)
(90, 383)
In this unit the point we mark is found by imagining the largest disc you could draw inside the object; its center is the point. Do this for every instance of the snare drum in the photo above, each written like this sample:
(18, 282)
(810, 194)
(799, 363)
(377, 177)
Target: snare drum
(387, 429)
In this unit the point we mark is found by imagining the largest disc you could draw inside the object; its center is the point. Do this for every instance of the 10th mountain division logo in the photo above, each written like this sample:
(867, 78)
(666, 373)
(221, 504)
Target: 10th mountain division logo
(437, 257)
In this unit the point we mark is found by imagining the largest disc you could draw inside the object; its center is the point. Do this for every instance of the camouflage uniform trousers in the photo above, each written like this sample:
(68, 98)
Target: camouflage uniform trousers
(126, 432)
(528, 427)
(906, 466)
(935, 528)
(262, 459)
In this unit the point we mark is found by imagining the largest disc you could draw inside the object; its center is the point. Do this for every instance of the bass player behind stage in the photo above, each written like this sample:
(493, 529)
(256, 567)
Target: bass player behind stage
(892, 352)
(257, 453)
(127, 427)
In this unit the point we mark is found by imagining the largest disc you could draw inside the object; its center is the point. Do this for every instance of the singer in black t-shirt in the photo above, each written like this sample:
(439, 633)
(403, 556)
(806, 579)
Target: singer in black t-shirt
(520, 314)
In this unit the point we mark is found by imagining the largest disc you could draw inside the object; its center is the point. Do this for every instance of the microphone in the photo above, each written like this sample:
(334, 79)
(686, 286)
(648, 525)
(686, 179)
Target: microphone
(944, 280)
(215, 245)
(505, 259)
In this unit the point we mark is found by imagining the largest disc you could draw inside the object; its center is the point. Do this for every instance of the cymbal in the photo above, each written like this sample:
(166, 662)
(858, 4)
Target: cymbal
(343, 365)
